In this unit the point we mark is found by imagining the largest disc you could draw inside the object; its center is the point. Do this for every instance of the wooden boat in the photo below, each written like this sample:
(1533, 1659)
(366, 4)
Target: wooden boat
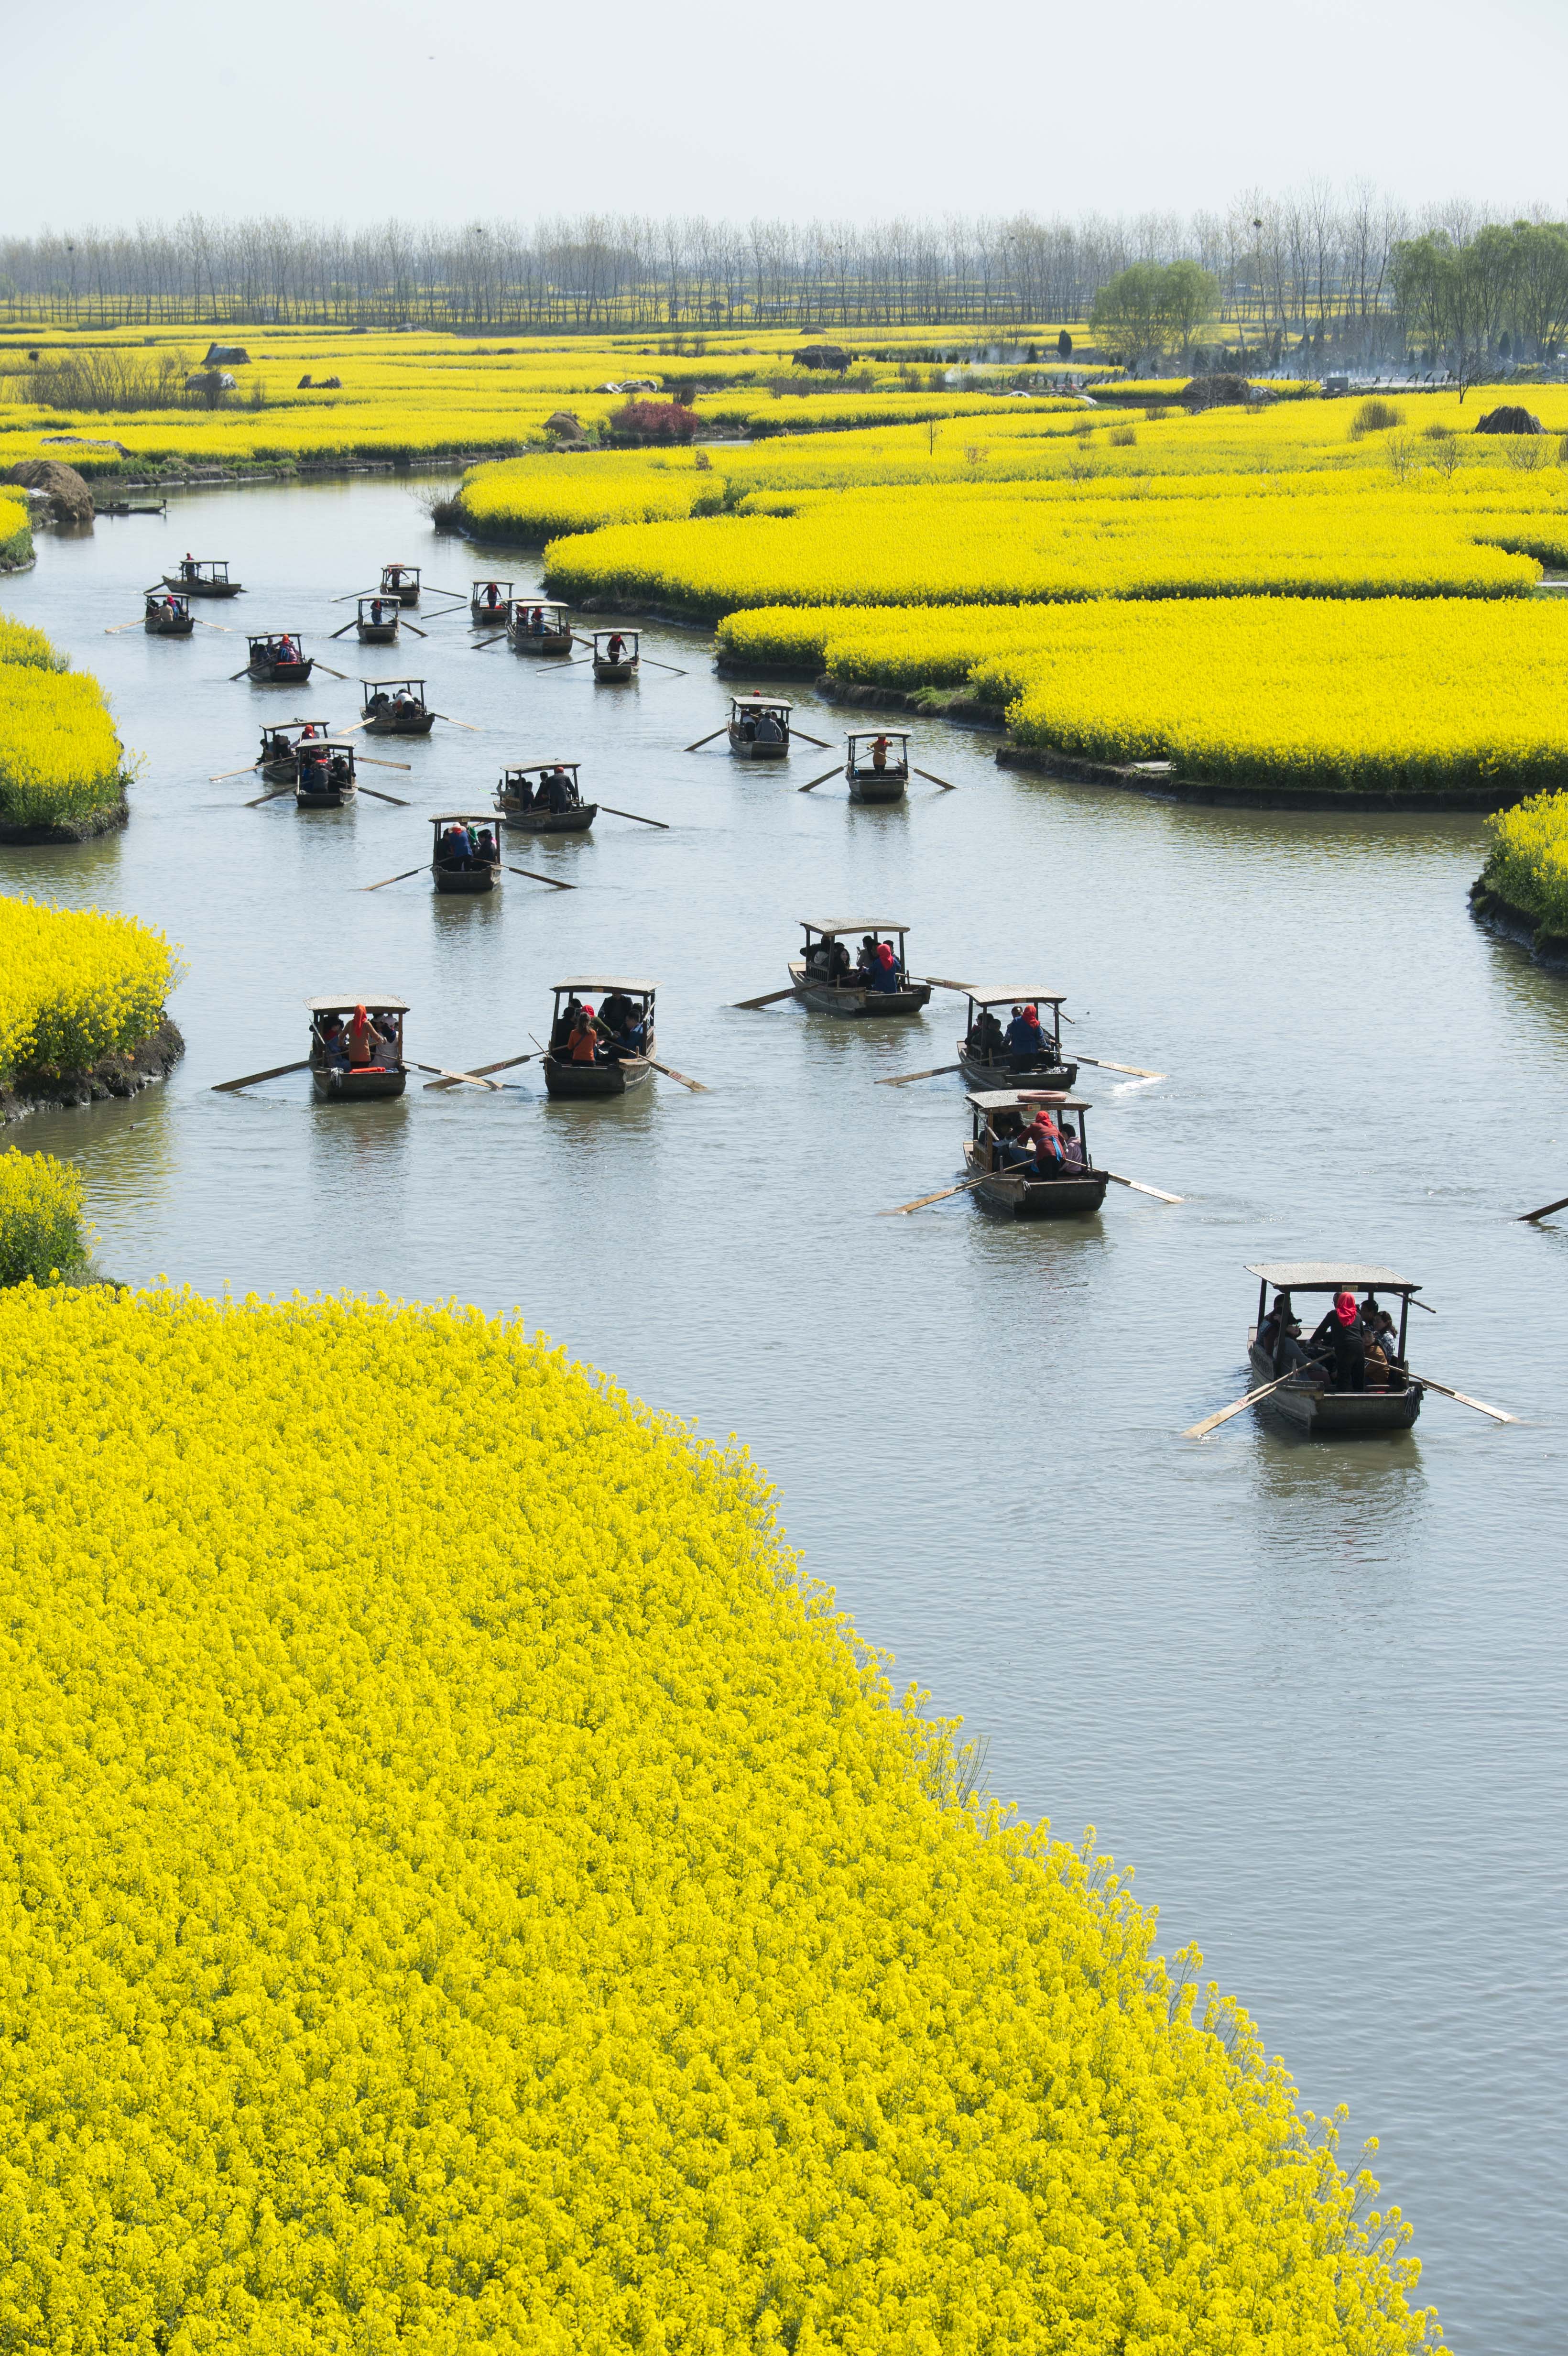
(480, 869)
(278, 760)
(376, 619)
(332, 1079)
(521, 799)
(402, 582)
(1308, 1402)
(985, 1060)
(395, 707)
(324, 774)
(617, 655)
(876, 764)
(618, 1072)
(206, 577)
(538, 626)
(168, 615)
(1024, 1193)
(276, 660)
(485, 612)
(825, 981)
(748, 713)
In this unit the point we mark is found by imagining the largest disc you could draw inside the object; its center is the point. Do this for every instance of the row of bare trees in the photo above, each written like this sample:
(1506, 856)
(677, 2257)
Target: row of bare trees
(1316, 264)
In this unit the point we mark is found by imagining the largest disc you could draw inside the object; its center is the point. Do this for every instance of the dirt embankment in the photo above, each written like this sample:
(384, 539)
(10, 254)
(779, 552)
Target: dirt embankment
(121, 1074)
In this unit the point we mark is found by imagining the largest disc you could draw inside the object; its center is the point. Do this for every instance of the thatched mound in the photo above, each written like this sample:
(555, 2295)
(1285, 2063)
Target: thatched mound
(1509, 421)
(70, 500)
(564, 424)
(823, 356)
(1217, 393)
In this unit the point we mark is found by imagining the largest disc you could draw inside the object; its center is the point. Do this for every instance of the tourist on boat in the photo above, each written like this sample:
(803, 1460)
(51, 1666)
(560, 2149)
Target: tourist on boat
(987, 1039)
(1343, 1336)
(492, 594)
(190, 568)
(880, 754)
(338, 770)
(583, 1046)
(378, 702)
(523, 794)
(1026, 1041)
(364, 1044)
(615, 648)
(385, 1029)
(768, 729)
(456, 847)
(485, 850)
(333, 1045)
(748, 727)
(885, 974)
(1013, 1150)
(565, 1023)
(536, 622)
(556, 789)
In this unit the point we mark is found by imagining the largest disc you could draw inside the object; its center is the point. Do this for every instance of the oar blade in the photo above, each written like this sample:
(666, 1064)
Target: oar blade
(812, 783)
(932, 779)
(479, 1071)
(1498, 1414)
(223, 1087)
(769, 997)
(902, 1079)
(1528, 1218)
(534, 877)
(401, 878)
(1139, 1187)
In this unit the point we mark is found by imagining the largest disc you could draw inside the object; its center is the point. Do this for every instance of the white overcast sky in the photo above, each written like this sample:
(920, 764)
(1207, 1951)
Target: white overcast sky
(431, 110)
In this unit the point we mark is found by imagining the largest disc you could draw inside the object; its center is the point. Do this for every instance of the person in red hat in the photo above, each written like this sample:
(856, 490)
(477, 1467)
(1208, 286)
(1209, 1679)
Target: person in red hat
(1343, 1337)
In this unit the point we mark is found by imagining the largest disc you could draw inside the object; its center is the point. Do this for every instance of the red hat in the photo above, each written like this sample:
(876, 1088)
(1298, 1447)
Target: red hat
(1344, 1308)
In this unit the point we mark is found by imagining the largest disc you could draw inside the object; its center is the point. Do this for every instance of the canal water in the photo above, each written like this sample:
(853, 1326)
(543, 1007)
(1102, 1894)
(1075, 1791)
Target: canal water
(1313, 1691)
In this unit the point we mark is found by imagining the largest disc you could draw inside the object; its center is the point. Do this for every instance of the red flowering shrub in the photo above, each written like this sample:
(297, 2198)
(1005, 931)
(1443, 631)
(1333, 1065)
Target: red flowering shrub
(655, 421)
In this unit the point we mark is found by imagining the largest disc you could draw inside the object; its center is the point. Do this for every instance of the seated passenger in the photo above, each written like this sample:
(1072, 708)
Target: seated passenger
(558, 791)
(865, 963)
(1026, 1041)
(334, 1046)
(1049, 1146)
(386, 1030)
(1279, 1337)
(818, 961)
(1012, 1149)
(565, 1024)
(838, 962)
(338, 770)
(768, 729)
(485, 848)
(522, 793)
(986, 1040)
(887, 977)
(748, 727)
(454, 849)
(364, 1044)
(378, 702)
(583, 1046)
(1342, 1339)
(536, 623)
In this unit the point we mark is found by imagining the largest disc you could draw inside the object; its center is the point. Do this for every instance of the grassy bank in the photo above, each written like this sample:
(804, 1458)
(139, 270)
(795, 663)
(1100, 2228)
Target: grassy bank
(76, 987)
(61, 764)
(541, 1927)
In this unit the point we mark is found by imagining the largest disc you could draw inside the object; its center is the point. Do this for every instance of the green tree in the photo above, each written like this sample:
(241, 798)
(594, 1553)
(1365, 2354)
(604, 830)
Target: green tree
(1152, 307)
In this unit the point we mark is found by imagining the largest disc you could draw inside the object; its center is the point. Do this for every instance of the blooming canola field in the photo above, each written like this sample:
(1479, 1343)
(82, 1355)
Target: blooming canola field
(76, 985)
(486, 1899)
(61, 759)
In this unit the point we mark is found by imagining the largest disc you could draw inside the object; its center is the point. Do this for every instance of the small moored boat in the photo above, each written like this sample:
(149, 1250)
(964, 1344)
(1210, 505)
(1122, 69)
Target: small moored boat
(487, 603)
(395, 707)
(1036, 1166)
(464, 854)
(324, 773)
(356, 1047)
(168, 615)
(376, 619)
(985, 1057)
(1391, 1400)
(876, 764)
(277, 659)
(544, 798)
(825, 980)
(402, 582)
(204, 576)
(617, 655)
(538, 626)
(759, 726)
(622, 1030)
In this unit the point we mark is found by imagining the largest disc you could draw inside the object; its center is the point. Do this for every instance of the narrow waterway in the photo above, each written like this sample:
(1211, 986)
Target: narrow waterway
(1313, 1691)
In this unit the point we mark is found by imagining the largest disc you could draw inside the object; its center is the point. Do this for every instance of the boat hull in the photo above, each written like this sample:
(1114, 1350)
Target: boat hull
(615, 674)
(745, 750)
(324, 796)
(567, 1079)
(418, 726)
(290, 674)
(848, 998)
(335, 1084)
(890, 786)
(377, 633)
(465, 880)
(1040, 1198)
(542, 642)
(403, 596)
(178, 626)
(486, 617)
(1337, 1415)
(979, 1074)
(203, 588)
(571, 821)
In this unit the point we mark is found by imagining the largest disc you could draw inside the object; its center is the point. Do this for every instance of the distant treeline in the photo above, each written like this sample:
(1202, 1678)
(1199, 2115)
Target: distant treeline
(1316, 264)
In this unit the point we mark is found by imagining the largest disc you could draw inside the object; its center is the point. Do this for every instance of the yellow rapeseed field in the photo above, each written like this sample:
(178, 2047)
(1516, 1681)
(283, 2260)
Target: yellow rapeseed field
(76, 985)
(60, 757)
(16, 529)
(20, 643)
(42, 1208)
(1528, 861)
(467, 1891)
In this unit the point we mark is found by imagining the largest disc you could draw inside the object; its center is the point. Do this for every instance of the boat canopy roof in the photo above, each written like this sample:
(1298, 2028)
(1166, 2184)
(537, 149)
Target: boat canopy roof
(606, 981)
(755, 695)
(1329, 1276)
(1018, 1101)
(394, 682)
(327, 744)
(989, 995)
(465, 818)
(374, 1001)
(858, 733)
(831, 927)
(522, 768)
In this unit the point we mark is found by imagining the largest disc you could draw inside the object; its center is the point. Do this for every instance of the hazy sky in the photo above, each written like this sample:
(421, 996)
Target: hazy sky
(431, 110)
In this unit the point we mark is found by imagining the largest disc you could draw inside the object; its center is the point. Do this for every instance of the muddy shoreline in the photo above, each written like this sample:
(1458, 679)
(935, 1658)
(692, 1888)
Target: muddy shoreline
(124, 1074)
(1158, 779)
(1512, 922)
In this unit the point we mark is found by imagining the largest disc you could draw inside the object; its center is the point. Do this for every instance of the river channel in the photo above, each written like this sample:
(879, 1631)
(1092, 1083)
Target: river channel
(1313, 1691)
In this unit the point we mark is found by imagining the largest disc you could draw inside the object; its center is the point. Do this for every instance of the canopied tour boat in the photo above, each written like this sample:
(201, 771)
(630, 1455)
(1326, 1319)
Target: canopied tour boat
(617, 655)
(204, 576)
(464, 854)
(984, 1057)
(276, 658)
(487, 603)
(356, 1047)
(830, 982)
(1049, 1178)
(544, 798)
(376, 619)
(876, 764)
(759, 726)
(168, 614)
(395, 707)
(324, 776)
(1309, 1400)
(624, 1023)
(538, 626)
(402, 582)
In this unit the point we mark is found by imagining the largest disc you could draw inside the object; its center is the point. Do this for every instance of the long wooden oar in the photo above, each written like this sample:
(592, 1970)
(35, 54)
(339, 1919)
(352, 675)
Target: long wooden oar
(277, 794)
(506, 1064)
(369, 761)
(902, 1079)
(1528, 1218)
(222, 1087)
(1464, 1399)
(337, 634)
(1139, 1188)
(659, 822)
(932, 780)
(460, 723)
(224, 775)
(938, 983)
(820, 741)
(900, 1209)
(376, 795)
(1212, 1422)
(486, 642)
(115, 627)
(1102, 1064)
(769, 997)
(328, 669)
(222, 627)
(393, 879)
(812, 783)
(707, 740)
(458, 1077)
(553, 881)
(697, 1087)
(405, 623)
